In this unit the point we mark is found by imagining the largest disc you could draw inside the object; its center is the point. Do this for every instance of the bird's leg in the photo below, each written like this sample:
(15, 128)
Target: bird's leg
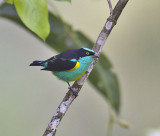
(72, 89)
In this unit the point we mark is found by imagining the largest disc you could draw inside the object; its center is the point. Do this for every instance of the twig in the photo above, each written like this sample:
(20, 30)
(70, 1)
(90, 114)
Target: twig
(110, 7)
(110, 122)
(68, 99)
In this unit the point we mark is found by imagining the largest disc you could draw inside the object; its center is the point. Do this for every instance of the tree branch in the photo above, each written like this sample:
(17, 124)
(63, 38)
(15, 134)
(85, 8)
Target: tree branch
(68, 99)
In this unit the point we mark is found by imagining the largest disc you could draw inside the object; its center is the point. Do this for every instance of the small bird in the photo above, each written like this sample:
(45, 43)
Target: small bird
(69, 65)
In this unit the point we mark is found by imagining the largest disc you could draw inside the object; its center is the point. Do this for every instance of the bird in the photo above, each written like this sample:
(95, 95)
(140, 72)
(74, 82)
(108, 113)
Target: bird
(69, 65)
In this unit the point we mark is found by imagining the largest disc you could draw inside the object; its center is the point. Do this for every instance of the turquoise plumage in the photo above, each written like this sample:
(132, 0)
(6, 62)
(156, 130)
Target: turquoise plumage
(72, 75)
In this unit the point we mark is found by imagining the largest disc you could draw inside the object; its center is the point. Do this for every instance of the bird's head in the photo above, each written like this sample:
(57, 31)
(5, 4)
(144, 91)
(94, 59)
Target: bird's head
(78, 53)
(84, 52)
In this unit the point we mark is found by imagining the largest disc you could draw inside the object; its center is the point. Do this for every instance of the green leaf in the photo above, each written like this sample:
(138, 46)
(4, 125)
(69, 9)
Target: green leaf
(64, 0)
(61, 38)
(34, 14)
(9, 1)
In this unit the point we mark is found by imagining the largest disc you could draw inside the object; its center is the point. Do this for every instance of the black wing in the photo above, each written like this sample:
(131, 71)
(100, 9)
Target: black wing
(59, 64)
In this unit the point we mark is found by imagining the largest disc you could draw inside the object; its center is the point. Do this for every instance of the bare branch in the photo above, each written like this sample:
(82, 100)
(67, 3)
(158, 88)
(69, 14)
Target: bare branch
(68, 99)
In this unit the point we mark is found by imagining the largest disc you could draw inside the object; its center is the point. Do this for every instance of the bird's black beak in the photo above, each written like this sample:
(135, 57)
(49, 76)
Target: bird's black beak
(95, 55)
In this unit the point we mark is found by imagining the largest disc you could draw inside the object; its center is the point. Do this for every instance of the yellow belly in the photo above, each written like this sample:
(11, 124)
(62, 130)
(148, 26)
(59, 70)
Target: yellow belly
(78, 77)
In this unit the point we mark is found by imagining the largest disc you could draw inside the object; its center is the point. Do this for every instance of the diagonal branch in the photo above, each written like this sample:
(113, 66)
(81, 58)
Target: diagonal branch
(68, 99)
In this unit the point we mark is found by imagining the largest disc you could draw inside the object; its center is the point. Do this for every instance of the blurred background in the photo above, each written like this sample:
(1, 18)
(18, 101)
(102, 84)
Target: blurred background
(29, 97)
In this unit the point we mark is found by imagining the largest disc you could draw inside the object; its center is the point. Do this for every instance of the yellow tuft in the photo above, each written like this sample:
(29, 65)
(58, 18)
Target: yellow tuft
(76, 66)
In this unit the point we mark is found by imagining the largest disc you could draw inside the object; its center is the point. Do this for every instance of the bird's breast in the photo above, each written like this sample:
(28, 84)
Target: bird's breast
(80, 68)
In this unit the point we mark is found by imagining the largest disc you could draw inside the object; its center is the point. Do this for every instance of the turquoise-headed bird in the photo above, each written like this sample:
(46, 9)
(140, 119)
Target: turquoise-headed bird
(69, 65)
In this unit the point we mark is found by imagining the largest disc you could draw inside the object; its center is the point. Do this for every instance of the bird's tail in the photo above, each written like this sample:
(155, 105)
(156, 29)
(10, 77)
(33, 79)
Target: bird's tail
(36, 63)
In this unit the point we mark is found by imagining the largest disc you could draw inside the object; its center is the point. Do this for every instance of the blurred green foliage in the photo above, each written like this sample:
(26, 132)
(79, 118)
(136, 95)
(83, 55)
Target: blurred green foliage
(34, 15)
(61, 38)
(9, 1)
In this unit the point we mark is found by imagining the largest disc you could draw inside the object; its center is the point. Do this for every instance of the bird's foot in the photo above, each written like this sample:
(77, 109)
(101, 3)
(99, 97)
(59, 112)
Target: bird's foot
(75, 93)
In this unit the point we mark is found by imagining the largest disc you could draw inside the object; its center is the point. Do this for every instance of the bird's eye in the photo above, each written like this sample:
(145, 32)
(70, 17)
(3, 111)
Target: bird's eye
(87, 53)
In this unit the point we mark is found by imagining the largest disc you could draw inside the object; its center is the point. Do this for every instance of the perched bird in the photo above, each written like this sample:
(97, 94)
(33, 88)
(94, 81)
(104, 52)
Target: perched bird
(69, 65)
